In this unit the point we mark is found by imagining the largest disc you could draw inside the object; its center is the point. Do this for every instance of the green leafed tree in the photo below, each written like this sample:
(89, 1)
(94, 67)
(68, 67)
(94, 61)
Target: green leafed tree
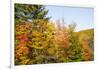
(27, 12)
(75, 47)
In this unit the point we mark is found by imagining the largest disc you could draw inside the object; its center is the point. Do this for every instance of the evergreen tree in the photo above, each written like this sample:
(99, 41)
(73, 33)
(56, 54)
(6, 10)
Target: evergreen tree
(28, 12)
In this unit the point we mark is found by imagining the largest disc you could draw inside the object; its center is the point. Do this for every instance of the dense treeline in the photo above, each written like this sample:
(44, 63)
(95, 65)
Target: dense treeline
(40, 41)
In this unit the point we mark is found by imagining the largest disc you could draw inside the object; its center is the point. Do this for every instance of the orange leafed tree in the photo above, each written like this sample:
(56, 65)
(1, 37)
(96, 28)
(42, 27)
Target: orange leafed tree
(87, 51)
(61, 36)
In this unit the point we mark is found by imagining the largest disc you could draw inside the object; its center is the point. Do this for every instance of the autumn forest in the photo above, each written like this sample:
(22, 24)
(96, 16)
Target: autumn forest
(39, 40)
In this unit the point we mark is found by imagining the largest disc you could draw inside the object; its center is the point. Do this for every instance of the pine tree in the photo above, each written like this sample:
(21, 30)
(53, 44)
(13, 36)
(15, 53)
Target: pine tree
(28, 12)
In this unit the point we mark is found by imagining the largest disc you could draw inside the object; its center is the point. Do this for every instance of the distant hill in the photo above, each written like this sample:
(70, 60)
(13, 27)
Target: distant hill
(88, 33)
(84, 33)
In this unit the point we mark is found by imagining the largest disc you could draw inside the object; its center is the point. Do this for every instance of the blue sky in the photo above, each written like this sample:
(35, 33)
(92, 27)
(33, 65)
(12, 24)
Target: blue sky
(83, 17)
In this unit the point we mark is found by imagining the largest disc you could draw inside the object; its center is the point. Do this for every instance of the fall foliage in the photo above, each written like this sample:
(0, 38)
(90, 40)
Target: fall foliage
(41, 41)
